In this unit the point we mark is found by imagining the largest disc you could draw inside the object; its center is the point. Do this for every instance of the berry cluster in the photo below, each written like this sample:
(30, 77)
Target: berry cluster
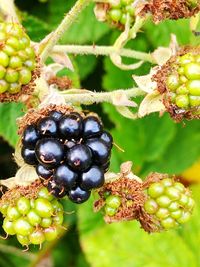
(71, 153)
(17, 58)
(169, 202)
(33, 220)
(184, 83)
(112, 204)
(116, 12)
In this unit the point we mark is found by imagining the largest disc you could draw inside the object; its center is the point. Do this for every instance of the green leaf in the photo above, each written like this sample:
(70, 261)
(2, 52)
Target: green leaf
(125, 244)
(86, 29)
(36, 28)
(183, 151)
(9, 112)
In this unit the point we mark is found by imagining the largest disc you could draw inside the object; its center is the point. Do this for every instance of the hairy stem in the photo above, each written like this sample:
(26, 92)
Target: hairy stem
(103, 51)
(64, 26)
(89, 97)
(7, 8)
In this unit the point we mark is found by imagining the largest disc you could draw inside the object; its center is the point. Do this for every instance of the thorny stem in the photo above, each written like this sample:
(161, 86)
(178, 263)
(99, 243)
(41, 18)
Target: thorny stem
(7, 8)
(64, 26)
(103, 51)
(90, 97)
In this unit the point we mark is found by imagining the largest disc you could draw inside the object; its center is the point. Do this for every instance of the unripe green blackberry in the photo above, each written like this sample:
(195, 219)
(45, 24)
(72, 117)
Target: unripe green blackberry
(17, 60)
(169, 203)
(179, 82)
(32, 214)
(116, 12)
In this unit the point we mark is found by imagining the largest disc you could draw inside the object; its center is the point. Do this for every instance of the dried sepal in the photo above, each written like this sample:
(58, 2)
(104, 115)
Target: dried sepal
(170, 9)
(130, 189)
(34, 115)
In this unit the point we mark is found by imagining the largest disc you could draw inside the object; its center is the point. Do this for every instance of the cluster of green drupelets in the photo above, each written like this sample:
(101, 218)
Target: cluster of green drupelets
(117, 12)
(112, 204)
(17, 58)
(184, 82)
(33, 221)
(169, 202)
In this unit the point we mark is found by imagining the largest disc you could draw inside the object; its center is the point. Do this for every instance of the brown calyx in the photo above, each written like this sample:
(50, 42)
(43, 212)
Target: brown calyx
(12, 195)
(133, 197)
(160, 78)
(169, 9)
(26, 90)
(63, 83)
(34, 115)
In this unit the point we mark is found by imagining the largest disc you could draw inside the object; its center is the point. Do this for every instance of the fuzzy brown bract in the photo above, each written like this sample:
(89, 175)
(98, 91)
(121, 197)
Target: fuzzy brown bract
(171, 9)
(133, 196)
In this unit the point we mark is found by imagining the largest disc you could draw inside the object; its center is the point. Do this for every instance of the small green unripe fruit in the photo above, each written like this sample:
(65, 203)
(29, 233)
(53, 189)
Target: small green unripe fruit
(163, 201)
(22, 226)
(23, 240)
(168, 223)
(51, 233)
(8, 227)
(43, 207)
(110, 211)
(116, 13)
(23, 205)
(151, 206)
(155, 190)
(37, 237)
(184, 83)
(33, 218)
(17, 58)
(172, 207)
(113, 201)
(162, 213)
(46, 222)
(13, 213)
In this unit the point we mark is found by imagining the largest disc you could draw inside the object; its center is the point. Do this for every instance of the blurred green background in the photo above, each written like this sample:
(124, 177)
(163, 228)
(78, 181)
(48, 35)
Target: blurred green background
(153, 144)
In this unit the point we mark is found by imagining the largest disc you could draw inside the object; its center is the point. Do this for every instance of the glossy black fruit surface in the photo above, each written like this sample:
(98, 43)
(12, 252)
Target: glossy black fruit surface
(47, 127)
(30, 136)
(56, 115)
(93, 178)
(107, 138)
(43, 172)
(49, 152)
(100, 150)
(79, 157)
(71, 153)
(91, 127)
(55, 189)
(66, 177)
(78, 195)
(70, 126)
(29, 156)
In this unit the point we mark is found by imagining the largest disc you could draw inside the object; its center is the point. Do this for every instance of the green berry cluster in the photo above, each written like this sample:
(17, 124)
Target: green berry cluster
(184, 83)
(33, 221)
(170, 202)
(118, 11)
(112, 204)
(17, 58)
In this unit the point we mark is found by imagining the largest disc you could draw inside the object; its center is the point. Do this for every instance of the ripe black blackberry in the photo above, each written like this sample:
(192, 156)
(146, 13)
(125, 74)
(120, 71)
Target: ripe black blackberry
(70, 151)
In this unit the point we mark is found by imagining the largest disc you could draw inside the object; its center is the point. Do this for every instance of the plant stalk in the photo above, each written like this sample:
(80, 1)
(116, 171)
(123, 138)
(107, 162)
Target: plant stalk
(63, 27)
